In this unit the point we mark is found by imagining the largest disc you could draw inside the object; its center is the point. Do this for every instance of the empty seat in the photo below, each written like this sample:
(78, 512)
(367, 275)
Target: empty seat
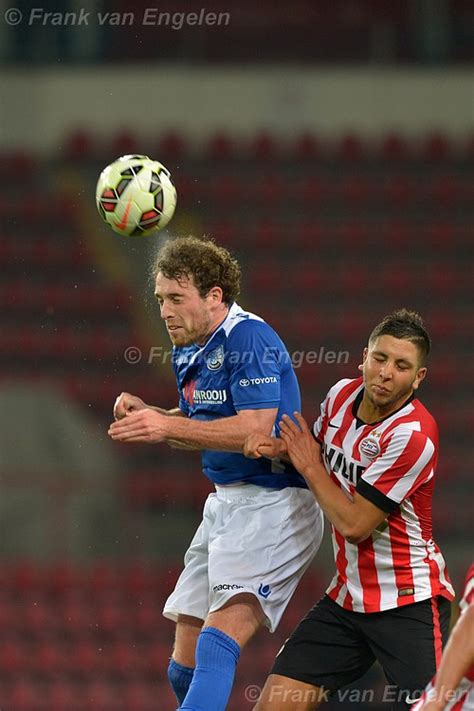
(220, 146)
(394, 147)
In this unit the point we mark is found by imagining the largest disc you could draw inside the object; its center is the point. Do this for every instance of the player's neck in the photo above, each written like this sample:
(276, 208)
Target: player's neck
(370, 413)
(214, 325)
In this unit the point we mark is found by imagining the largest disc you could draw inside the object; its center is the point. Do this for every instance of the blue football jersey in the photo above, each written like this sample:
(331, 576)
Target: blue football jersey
(243, 366)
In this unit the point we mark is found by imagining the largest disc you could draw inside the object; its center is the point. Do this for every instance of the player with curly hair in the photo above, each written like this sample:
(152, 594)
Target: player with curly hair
(262, 526)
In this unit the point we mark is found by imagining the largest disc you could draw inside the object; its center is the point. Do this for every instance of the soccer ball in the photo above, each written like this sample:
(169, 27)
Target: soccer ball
(135, 195)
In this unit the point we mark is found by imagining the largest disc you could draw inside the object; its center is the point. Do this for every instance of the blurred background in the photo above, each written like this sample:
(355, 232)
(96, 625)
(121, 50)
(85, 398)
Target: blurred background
(330, 146)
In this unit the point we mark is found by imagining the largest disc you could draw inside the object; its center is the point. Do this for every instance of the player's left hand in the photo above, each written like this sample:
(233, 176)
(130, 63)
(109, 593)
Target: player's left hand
(303, 449)
(141, 426)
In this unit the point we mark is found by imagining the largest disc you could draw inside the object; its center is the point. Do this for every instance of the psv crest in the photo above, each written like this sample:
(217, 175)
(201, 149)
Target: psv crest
(370, 446)
(215, 359)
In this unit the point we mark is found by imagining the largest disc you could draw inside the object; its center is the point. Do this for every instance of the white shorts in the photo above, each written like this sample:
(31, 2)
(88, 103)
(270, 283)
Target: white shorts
(251, 540)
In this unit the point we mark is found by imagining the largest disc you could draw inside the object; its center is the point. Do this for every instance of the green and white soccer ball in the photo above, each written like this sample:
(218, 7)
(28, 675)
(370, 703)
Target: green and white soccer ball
(135, 195)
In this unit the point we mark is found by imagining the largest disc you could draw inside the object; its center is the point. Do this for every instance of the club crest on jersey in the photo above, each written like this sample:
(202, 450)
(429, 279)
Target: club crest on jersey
(370, 447)
(215, 359)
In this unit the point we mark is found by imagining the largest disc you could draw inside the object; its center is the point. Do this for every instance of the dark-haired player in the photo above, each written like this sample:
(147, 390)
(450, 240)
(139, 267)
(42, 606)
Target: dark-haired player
(262, 527)
(390, 598)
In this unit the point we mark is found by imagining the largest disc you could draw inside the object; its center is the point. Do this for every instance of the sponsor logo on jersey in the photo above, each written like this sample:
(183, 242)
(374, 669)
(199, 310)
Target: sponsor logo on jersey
(196, 396)
(264, 590)
(245, 382)
(227, 586)
(370, 447)
(215, 359)
(209, 397)
(337, 463)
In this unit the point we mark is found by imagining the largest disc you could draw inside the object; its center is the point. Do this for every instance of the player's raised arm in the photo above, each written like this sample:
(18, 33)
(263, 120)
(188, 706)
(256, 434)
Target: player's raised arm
(126, 403)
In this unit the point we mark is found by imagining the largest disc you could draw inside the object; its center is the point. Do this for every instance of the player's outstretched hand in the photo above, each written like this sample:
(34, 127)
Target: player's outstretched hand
(126, 403)
(302, 448)
(260, 445)
(141, 426)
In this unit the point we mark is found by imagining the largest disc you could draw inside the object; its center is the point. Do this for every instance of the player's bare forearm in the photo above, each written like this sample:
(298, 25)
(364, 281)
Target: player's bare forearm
(176, 444)
(174, 412)
(224, 434)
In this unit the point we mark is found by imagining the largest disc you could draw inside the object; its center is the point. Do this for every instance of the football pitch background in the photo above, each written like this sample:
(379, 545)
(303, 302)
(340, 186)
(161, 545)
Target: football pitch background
(331, 149)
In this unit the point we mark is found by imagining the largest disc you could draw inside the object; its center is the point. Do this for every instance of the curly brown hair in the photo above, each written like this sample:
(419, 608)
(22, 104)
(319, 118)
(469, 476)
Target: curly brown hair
(202, 259)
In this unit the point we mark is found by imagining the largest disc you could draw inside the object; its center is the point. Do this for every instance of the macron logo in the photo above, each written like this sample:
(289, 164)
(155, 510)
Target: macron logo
(264, 590)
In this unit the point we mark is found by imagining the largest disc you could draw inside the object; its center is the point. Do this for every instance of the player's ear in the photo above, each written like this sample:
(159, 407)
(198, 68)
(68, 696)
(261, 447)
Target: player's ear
(421, 375)
(215, 295)
(364, 358)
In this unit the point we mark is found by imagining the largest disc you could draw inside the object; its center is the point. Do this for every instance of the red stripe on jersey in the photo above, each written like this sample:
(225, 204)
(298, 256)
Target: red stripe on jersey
(460, 703)
(341, 565)
(347, 604)
(346, 423)
(411, 453)
(438, 641)
(400, 545)
(344, 395)
(468, 589)
(368, 575)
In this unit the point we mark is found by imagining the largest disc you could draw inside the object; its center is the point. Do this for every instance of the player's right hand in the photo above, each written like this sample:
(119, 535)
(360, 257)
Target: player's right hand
(261, 445)
(127, 403)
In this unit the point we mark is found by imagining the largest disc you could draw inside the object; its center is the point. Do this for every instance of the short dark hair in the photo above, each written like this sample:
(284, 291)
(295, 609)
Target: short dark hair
(202, 259)
(407, 324)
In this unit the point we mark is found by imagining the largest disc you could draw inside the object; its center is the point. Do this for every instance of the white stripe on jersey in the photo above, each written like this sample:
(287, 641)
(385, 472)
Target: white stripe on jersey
(403, 485)
(419, 555)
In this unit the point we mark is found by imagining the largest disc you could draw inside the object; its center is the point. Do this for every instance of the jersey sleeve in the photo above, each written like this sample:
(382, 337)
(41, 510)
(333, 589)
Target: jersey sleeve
(320, 425)
(254, 355)
(406, 461)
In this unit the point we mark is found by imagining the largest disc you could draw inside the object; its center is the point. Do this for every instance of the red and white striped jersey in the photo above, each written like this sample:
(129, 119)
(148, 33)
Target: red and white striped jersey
(463, 698)
(468, 590)
(391, 463)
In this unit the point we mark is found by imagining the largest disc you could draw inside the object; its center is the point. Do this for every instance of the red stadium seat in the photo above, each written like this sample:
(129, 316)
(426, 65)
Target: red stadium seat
(220, 146)
(79, 145)
(264, 146)
(394, 147)
(350, 147)
(271, 190)
(307, 146)
(226, 190)
(399, 190)
(444, 190)
(125, 143)
(269, 234)
(14, 657)
(62, 694)
(313, 190)
(357, 190)
(171, 147)
(437, 147)
(23, 695)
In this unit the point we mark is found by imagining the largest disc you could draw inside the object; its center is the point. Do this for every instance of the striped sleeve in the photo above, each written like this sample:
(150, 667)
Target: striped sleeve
(320, 424)
(406, 461)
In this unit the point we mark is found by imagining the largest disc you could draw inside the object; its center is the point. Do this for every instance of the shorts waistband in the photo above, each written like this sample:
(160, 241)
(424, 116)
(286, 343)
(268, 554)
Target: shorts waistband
(238, 491)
